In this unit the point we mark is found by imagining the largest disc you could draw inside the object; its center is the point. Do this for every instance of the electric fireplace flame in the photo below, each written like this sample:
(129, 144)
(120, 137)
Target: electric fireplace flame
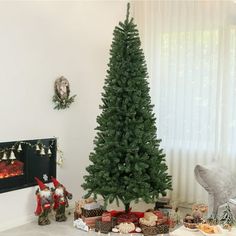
(11, 169)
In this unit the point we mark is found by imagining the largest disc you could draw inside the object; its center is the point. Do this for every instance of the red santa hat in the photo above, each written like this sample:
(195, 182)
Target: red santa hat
(41, 185)
(55, 182)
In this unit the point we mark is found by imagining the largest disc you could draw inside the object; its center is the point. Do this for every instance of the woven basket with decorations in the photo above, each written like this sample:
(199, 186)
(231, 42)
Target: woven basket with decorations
(163, 229)
(105, 226)
(92, 213)
(153, 230)
(151, 224)
(149, 230)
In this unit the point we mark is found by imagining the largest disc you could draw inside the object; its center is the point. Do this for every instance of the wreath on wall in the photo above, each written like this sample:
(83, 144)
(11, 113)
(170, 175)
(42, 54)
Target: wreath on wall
(62, 97)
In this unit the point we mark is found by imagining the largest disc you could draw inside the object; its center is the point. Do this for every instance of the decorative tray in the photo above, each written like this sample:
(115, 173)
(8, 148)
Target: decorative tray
(210, 230)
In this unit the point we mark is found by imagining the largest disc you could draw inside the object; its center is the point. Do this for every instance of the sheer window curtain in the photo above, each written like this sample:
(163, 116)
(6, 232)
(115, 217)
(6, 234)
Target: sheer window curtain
(190, 47)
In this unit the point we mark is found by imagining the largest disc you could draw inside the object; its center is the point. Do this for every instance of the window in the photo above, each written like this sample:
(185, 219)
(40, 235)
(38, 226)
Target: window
(190, 47)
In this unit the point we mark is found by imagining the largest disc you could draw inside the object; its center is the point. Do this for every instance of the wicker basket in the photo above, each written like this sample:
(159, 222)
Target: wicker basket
(105, 227)
(190, 225)
(153, 230)
(163, 229)
(162, 221)
(92, 213)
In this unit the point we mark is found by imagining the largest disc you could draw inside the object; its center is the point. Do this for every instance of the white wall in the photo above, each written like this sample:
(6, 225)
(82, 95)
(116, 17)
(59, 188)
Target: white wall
(39, 41)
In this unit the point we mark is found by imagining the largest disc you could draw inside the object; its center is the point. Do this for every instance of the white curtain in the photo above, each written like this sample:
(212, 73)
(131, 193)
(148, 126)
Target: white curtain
(190, 48)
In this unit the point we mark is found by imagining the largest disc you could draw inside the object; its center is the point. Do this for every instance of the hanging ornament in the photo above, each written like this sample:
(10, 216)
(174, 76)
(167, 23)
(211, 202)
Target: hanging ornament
(37, 147)
(49, 152)
(4, 158)
(19, 148)
(42, 152)
(12, 157)
(60, 158)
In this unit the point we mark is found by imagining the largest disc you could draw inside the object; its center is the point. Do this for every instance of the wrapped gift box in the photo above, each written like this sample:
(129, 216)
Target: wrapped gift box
(106, 217)
(92, 213)
(162, 203)
(91, 206)
(91, 221)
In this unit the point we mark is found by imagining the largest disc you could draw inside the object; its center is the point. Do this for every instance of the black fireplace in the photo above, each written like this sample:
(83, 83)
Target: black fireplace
(21, 161)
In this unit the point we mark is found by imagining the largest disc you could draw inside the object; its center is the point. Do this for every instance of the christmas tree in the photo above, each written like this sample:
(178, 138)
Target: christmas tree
(227, 217)
(127, 162)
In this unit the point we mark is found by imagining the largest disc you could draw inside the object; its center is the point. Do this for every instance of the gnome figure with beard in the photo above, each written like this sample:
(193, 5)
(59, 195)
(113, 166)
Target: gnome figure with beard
(60, 197)
(44, 203)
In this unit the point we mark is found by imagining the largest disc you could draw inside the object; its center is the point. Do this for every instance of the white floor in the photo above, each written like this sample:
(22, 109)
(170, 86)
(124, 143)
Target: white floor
(54, 229)
(59, 228)
(67, 229)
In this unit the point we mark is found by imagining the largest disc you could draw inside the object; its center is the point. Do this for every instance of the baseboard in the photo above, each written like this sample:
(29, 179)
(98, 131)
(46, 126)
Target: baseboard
(15, 223)
(25, 220)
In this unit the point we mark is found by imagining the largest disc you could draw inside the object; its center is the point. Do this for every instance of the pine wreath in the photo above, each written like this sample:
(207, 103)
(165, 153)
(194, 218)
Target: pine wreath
(62, 97)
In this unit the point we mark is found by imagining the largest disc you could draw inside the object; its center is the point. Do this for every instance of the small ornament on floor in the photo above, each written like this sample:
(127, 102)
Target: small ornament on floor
(79, 224)
(200, 209)
(227, 219)
(174, 217)
(193, 220)
(44, 203)
(60, 196)
(212, 220)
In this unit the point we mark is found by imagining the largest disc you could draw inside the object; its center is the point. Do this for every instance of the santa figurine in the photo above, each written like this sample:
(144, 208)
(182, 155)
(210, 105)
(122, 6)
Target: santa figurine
(44, 203)
(60, 196)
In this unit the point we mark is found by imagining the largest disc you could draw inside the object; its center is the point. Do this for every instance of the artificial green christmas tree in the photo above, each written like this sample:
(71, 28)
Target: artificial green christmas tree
(127, 161)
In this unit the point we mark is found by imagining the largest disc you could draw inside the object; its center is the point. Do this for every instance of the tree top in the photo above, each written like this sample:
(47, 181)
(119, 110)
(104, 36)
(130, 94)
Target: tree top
(127, 13)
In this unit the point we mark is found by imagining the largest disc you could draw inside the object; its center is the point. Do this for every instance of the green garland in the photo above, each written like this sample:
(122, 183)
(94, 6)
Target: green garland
(62, 103)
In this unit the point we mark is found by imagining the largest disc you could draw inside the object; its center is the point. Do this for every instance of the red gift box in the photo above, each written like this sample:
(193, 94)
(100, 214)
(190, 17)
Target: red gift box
(91, 221)
(106, 217)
